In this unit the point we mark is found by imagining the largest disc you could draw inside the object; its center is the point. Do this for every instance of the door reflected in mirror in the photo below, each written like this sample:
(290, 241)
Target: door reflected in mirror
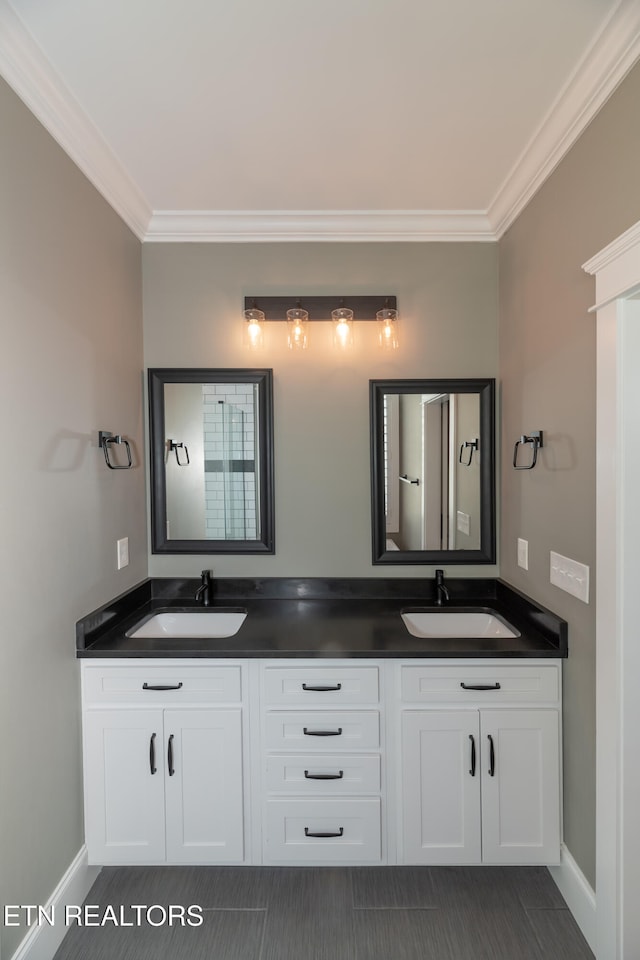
(211, 446)
(432, 447)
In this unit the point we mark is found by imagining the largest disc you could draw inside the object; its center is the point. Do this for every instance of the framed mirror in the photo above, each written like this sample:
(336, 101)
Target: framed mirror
(433, 471)
(211, 437)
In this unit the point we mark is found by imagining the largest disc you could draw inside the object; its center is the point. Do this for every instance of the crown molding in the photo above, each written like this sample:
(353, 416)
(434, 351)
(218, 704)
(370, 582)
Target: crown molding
(31, 76)
(287, 226)
(616, 268)
(606, 62)
(629, 240)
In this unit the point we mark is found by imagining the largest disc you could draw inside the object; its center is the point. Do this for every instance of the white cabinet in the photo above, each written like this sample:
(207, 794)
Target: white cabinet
(162, 783)
(520, 786)
(321, 763)
(440, 787)
(480, 784)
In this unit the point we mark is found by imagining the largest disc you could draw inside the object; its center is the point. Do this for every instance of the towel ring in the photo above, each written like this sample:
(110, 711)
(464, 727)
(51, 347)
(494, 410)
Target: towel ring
(175, 446)
(473, 445)
(535, 439)
(105, 439)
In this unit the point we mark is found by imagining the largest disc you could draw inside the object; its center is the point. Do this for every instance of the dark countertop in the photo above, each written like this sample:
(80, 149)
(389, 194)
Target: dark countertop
(321, 618)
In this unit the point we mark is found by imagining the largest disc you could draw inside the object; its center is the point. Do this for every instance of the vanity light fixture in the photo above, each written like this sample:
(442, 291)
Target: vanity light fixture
(342, 328)
(342, 312)
(387, 321)
(253, 331)
(297, 327)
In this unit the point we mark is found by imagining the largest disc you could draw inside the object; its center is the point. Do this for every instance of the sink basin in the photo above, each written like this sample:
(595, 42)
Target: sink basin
(190, 623)
(469, 624)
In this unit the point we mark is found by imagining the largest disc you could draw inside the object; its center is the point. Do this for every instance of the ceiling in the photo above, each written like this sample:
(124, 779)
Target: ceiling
(317, 119)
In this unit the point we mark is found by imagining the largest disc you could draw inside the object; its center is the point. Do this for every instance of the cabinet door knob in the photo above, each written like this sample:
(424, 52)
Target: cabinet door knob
(492, 756)
(152, 754)
(308, 833)
(324, 776)
(170, 756)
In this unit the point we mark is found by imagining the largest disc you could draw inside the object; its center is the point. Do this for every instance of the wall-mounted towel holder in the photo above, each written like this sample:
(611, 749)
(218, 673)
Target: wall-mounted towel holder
(471, 445)
(176, 447)
(105, 440)
(406, 479)
(535, 439)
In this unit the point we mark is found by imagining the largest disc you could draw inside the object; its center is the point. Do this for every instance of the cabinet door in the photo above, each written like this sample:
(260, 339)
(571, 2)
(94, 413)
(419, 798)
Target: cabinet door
(203, 763)
(124, 786)
(440, 786)
(521, 788)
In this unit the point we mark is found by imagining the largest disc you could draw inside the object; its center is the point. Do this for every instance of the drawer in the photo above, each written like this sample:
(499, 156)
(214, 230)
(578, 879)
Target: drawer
(317, 731)
(206, 684)
(517, 683)
(320, 686)
(353, 828)
(326, 775)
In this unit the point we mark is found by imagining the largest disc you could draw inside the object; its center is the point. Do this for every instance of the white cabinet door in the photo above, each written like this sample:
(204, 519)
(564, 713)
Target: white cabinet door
(124, 786)
(204, 786)
(440, 786)
(520, 786)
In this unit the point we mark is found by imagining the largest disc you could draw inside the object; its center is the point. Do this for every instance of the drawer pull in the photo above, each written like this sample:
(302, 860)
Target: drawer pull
(323, 836)
(160, 686)
(322, 733)
(480, 686)
(323, 776)
(492, 757)
(472, 771)
(152, 754)
(170, 757)
(338, 686)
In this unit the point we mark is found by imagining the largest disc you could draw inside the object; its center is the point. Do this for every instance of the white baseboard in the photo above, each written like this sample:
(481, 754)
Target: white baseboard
(578, 894)
(42, 941)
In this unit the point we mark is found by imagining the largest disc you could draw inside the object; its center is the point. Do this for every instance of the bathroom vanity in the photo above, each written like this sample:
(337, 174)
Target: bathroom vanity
(322, 731)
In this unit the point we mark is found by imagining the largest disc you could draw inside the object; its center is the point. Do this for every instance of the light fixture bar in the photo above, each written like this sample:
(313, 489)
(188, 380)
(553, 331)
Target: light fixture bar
(320, 308)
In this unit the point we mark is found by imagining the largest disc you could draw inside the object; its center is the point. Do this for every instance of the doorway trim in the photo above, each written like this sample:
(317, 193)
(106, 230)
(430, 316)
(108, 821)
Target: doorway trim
(616, 269)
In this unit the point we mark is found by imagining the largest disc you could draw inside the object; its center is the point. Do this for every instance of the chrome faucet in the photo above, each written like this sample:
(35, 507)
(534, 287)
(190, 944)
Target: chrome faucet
(204, 591)
(441, 590)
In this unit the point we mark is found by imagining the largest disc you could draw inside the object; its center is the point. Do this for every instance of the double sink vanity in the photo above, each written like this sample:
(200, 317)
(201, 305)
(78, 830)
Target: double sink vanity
(310, 721)
(320, 721)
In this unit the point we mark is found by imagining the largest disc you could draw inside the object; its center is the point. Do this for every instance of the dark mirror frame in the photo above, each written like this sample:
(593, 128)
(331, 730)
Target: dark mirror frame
(156, 380)
(485, 388)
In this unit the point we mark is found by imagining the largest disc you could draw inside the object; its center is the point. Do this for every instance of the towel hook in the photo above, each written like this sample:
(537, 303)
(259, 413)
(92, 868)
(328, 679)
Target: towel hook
(535, 439)
(175, 446)
(105, 439)
(406, 479)
(474, 445)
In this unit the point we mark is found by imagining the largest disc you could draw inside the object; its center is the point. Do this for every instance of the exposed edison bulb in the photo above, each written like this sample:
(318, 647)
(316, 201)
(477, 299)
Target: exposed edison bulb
(253, 335)
(297, 322)
(387, 321)
(342, 327)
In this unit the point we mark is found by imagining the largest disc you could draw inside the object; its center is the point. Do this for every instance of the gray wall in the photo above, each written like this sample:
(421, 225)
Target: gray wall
(547, 368)
(69, 365)
(193, 302)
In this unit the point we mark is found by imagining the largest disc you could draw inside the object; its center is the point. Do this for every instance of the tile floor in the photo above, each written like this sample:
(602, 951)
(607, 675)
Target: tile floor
(332, 913)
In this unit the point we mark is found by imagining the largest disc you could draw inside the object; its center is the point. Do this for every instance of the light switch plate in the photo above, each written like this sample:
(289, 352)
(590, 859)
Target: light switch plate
(523, 553)
(570, 575)
(123, 552)
(463, 522)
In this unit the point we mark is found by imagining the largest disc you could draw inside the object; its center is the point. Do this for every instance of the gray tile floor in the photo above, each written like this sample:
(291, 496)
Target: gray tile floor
(331, 913)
